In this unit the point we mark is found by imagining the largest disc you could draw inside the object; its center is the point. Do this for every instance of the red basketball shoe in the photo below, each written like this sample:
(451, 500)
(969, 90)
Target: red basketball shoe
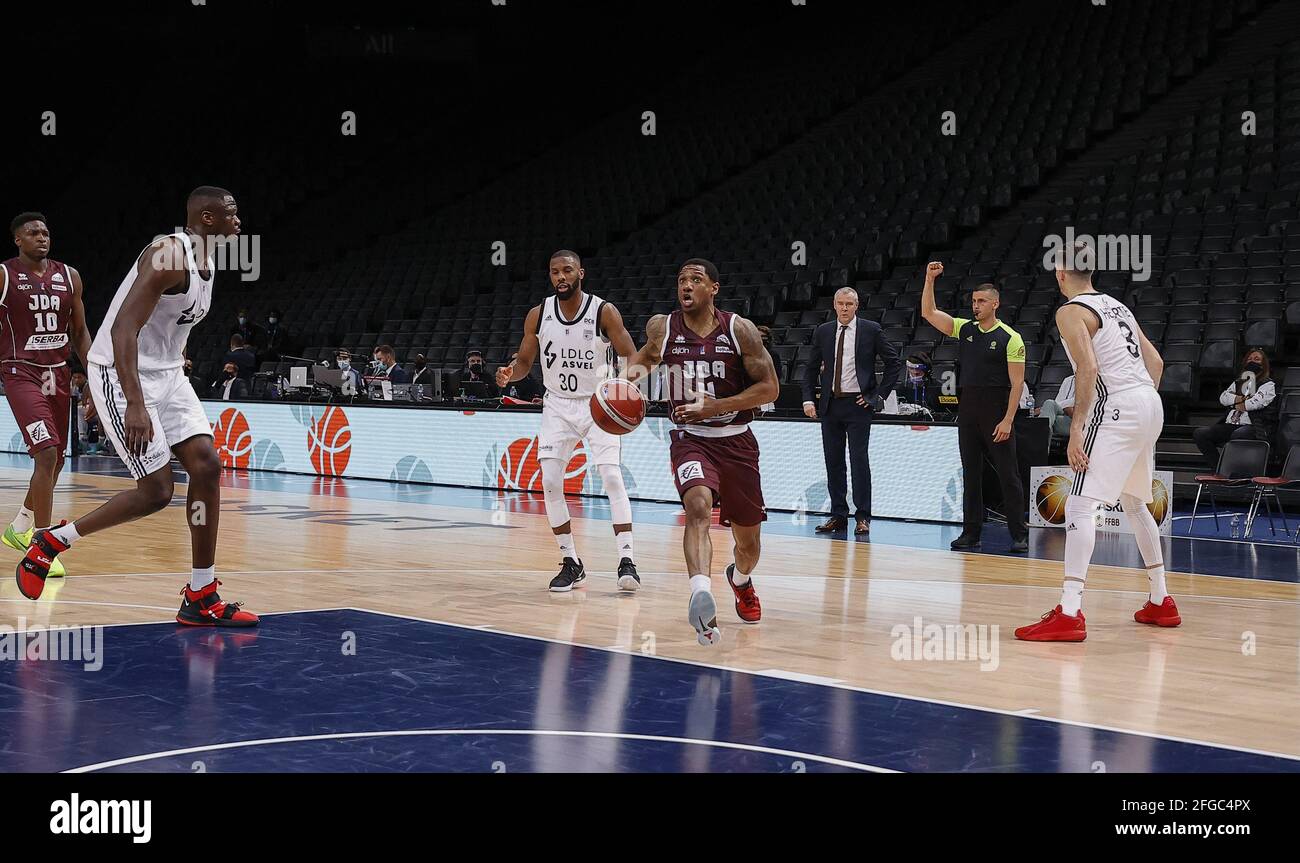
(205, 608)
(747, 605)
(1055, 625)
(35, 566)
(1164, 614)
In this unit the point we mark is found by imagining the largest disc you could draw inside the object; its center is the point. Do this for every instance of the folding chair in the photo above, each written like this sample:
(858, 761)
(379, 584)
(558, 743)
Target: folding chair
(1268, 486)
(1239, 463)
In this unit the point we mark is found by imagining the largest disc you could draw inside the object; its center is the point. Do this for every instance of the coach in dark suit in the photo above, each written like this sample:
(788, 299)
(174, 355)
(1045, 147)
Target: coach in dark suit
(844, 357)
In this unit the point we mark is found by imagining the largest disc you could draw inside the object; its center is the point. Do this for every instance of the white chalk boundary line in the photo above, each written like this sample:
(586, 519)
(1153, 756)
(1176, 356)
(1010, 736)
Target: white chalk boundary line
(477, 732)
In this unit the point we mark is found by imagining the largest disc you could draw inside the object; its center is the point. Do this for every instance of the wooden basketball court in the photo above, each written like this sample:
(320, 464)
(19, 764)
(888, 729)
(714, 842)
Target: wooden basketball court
(839, 616)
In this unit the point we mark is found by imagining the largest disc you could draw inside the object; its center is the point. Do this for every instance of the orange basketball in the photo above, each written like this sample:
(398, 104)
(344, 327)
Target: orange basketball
(1050, 498)
(617, 406)
(520, 469)
(232, 439)
(329, 442)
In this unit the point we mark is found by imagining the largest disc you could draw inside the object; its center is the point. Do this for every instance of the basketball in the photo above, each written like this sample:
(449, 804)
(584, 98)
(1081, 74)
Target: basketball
(329, 442)
(232, 438)
(617, 406)
(1050, 498)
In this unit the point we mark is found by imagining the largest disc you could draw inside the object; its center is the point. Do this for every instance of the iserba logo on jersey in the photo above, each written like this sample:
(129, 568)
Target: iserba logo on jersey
(46, 341)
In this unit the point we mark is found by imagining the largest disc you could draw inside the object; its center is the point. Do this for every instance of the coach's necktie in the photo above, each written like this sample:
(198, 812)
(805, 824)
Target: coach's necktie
(839, 360)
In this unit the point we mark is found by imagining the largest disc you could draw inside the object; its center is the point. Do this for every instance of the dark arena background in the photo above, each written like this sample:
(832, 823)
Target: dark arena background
(419, 190)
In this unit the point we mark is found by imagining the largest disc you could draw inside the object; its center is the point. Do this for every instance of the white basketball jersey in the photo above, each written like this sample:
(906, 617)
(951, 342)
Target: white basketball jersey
(1116, 344)
(574, 353)
(163, 336)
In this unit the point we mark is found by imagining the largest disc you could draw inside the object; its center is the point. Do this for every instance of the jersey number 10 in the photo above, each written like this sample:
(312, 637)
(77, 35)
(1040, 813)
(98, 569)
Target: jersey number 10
(46, 322)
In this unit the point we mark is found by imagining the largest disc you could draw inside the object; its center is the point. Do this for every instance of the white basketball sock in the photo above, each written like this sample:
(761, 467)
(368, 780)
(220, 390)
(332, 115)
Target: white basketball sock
(23, 521)
(66, 534)
(624, 542)
(740, 579)
(1147, 534)
(699, 582)
(201, 578)
(1080, 539)
(568, 548)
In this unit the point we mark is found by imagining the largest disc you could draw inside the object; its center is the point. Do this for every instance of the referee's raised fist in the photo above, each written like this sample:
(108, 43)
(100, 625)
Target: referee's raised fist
(934, 270)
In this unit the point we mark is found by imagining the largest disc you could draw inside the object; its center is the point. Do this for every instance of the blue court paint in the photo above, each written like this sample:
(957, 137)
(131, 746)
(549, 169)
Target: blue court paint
(510, 704)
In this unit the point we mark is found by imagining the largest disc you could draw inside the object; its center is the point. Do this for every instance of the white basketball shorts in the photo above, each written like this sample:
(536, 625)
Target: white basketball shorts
(173, 406)
(567, 421)
(1121, 445)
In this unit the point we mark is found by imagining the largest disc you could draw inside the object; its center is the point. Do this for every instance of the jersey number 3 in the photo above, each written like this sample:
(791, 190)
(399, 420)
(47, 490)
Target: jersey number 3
(1130, 343)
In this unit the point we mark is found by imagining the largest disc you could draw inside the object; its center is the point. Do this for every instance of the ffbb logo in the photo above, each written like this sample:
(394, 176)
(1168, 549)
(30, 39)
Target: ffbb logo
(102, 817)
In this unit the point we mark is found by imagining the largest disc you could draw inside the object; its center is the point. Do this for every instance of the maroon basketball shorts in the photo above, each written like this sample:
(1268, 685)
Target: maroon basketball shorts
(41, 399)
(728, 466)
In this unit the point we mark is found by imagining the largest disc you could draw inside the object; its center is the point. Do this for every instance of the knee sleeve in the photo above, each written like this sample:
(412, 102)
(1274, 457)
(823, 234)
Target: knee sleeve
(1080, 534)
(1145, 529)
(611, 475)
(557, 508)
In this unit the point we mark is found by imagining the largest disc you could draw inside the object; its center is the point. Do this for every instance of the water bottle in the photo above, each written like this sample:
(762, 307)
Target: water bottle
(1236, 526)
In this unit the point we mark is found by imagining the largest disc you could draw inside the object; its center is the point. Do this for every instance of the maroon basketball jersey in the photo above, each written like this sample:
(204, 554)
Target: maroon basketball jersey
(35, 313)
(710, 363)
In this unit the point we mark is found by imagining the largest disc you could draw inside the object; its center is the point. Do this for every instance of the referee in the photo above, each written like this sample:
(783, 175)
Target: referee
(992, 357)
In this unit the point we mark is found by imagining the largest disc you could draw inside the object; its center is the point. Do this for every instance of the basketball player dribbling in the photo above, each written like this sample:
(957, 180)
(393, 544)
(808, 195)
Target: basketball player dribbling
(718, 373)
(149, 410)
(1118, 417)
(574, 331)
(41, 317)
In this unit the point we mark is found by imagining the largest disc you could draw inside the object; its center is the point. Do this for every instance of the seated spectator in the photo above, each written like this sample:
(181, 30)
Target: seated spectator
(526, 389)
(1251, 400)
(423, 374)
(278, 339)
(253, 335)
(476, 371)
(343, 362)
(230, 386)
(1059, 410)
(385, 366)
(200, 385)
(918, 387)
(241, 354)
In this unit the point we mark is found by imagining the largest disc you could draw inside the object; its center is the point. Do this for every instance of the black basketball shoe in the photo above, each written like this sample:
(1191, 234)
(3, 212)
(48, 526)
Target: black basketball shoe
(571, 575)
(627, 577)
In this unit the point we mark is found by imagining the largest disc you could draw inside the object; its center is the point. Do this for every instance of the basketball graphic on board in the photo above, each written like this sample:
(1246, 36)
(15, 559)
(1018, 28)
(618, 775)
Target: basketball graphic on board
(519, 469)
(1050, 498)
(329, 442)
(232, 438)
(1159, 504)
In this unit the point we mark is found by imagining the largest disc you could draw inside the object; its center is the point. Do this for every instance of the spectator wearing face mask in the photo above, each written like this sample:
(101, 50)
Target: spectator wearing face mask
(230, 386)
(385, 366)
(423, 374)
(343, 361)
(476, 371)
(1251, 400)
(278, 339)
(918, 388)
(253, 335)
